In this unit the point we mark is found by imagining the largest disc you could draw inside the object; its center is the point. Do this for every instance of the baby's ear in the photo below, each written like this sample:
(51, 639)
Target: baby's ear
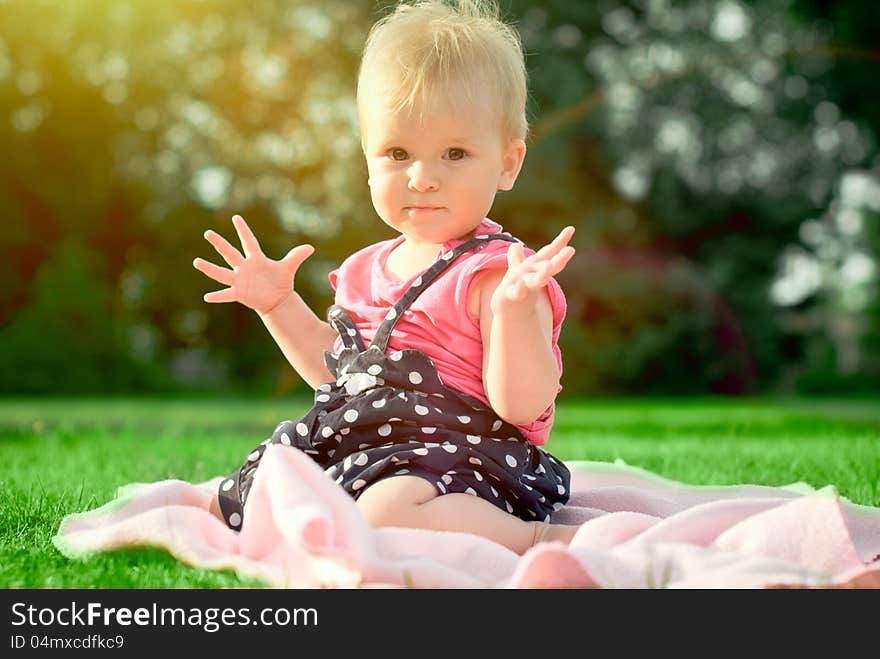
(512, 160)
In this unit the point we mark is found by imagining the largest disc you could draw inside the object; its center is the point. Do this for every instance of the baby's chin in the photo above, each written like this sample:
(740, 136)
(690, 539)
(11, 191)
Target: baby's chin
(436, 235)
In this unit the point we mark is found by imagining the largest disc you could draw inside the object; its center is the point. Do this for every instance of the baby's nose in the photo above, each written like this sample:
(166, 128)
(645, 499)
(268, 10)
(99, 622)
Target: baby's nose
(421, 178)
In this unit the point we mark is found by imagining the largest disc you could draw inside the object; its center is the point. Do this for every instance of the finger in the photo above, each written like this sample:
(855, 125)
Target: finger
(231, 255)
(558, 262)
(226, 295)
(516, 291)
(215, 272)
(556, 245)
(515, 255)
(296, 256)
(539, 276)
(248, 241)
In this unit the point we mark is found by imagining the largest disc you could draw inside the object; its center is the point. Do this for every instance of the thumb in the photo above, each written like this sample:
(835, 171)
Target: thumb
(296, 256)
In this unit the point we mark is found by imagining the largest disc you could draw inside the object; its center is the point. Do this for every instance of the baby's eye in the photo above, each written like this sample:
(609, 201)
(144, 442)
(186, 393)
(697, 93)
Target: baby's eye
(397, 154)
(456, 154)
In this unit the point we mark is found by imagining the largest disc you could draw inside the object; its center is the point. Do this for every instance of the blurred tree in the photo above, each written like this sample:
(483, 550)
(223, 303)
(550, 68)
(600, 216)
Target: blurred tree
(718, 158)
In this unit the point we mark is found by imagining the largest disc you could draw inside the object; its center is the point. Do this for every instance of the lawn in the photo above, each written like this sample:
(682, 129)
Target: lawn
(60, 456)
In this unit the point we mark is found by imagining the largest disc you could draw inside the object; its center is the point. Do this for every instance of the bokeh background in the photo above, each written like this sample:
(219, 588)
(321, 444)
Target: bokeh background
(720, 160)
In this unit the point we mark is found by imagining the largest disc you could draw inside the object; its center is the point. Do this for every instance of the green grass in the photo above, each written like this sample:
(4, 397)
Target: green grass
(59, 456)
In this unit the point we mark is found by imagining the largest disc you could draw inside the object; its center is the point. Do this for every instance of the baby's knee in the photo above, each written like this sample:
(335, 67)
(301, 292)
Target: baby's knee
(395, 501)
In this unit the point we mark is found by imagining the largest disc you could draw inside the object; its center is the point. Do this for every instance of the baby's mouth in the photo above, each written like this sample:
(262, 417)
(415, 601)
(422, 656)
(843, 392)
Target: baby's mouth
(422, 210)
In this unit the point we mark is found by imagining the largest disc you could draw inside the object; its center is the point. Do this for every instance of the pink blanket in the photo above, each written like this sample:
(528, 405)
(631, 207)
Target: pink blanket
(637, 530)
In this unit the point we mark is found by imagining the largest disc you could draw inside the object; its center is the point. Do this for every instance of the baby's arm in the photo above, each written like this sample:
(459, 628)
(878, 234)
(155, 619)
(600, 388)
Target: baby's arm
(266, 286)
(520, 373)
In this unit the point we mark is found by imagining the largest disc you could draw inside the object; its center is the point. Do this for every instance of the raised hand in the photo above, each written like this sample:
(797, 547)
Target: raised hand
(255, 280)
(526, 276)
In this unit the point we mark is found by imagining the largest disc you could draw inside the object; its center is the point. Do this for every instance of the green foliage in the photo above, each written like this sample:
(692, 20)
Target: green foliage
(700, 149)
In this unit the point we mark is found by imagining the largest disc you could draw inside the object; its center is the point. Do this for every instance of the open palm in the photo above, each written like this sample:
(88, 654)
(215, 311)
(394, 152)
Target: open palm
(255, 280)
(526, 275)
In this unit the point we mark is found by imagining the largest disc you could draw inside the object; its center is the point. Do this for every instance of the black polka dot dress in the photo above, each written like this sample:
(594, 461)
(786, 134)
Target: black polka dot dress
(390, 415)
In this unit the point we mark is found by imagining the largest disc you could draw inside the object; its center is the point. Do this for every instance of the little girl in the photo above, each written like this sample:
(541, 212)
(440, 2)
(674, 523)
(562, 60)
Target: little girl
(437, 372)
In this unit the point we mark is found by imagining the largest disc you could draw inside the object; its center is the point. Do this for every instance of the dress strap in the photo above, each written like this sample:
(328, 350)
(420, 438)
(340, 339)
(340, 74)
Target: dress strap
(383, 333)
(344, 325)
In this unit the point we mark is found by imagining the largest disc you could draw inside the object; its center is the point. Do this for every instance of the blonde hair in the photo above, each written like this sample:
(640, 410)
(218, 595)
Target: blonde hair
(423, 48)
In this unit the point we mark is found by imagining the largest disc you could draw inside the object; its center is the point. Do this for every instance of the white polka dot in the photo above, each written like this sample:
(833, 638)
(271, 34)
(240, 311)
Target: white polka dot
(335, 312)
(351, 331)
(540, 469)
(475, 461)
(528, 487)
(421, 409)
(350, 415)
(494, 491)
(363, 446)
(392, 314)
(235, 519)
(420, 451)
(339, 480)
(395, 356)
(285, 439)
(254, 455)
(337, 438)
(401, 396)
(542, 499)
(440, 486)
(509, 507)
(378, 403)
(417, 282)
(331, 452)
(361, 459)
(557, 506)
(324, 387)
(530, 477)
(345, 431)
(464, 418)
(322, 398)
(510, 460)
(446, 478)
(473, 439)
(450, 448)
(402, 471)
(497, 425)
(447, 256)
(375, 369)
(483, 236)
(326, 431)
(228, 485)
(346, 464)
(478, 475)
(302, 429)
(560, 489)
(358, 484)
(432, 444)
(415, 377)
(384, 430)
(547, 517)
(394, 418)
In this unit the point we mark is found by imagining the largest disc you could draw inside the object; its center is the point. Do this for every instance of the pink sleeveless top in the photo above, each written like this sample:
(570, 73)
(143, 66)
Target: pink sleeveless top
(438, 322)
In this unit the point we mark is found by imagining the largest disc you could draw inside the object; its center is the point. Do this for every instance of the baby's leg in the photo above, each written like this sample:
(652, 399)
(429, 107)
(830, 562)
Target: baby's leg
(412, 502)
(215, 508)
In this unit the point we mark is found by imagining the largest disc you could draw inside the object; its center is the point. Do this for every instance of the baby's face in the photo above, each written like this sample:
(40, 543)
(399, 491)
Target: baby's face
(435, 180)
